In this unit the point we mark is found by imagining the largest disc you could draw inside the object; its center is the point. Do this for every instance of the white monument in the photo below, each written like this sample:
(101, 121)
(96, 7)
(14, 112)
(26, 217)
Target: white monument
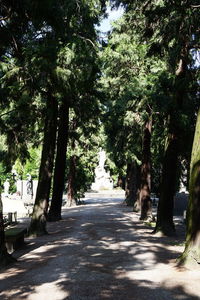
(23, 189)
(103, 181)
(6, 188)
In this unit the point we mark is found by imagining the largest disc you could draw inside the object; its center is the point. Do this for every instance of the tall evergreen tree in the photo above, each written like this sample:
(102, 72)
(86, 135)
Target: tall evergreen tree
(169, 28)
(82, 72)
(132, 76)
(38, 220)
(69, 39)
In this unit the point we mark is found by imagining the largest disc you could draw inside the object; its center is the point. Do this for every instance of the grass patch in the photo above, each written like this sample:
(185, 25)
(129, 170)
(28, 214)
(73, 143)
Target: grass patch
(150, 224)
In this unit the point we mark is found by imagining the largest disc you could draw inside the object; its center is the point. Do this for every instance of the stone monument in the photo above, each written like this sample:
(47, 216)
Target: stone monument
(26, 189)
(103, 181)
(29, 185)
(6, 187)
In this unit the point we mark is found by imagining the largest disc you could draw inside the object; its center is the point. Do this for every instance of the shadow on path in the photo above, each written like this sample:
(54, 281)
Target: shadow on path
(98, 251)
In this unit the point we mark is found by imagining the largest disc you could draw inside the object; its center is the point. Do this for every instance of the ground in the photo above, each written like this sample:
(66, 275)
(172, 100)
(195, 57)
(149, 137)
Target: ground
(100, 251)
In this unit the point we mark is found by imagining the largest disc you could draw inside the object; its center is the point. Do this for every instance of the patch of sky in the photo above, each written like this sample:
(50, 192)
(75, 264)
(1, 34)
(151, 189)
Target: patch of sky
(106, 24)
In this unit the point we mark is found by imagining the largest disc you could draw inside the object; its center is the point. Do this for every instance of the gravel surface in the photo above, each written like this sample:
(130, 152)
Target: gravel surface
(100, 251)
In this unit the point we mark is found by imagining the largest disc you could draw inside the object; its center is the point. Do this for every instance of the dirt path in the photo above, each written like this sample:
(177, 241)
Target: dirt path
(99, 251)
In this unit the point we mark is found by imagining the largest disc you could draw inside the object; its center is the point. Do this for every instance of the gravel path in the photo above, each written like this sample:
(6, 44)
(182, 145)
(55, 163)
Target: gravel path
(99, 251)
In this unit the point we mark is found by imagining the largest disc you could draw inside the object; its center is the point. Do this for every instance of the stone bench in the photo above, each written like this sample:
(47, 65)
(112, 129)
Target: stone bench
(14, 238)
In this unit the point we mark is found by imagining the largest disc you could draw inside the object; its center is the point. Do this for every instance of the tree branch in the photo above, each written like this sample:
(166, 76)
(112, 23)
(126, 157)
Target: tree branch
(86, 39)
(15, 43)
(8, 16)
(8, 112)
(4, 18)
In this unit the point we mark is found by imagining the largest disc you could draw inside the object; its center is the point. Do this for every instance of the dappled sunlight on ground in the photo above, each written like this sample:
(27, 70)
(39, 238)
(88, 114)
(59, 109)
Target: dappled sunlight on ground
(99, 251)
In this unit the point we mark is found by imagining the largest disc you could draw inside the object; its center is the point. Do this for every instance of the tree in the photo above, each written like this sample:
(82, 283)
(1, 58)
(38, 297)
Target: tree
(132, 76)
(84, 143)
(41, 60)
(132, 184)
(26, 44)
(179, 57)
(71, 183)
(169, 28)
(35, 35)
(16, 122)
(145, 177)
(82, 73)
(38, 220)
(54, 213)
(64, 40)
(191, 255)
(122, 91)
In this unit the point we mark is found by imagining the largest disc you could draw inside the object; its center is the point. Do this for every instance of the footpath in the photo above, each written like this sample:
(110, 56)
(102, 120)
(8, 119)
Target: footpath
(100, 251)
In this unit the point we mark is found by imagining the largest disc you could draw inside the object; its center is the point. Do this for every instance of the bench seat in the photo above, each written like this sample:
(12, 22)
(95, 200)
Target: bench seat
(14, 238)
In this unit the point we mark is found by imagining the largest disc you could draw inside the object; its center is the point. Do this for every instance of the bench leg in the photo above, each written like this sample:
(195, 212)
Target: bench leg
(10, 248)
(14, 244)
(15, 217)
(10, 217)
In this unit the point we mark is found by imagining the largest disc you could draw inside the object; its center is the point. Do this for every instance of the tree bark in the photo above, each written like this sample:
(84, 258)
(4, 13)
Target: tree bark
(71, 191)
(131, 187)
(165, 224)
(191, 254)
(145, 187)
(5, 257)
(38, 222)
(60, 164)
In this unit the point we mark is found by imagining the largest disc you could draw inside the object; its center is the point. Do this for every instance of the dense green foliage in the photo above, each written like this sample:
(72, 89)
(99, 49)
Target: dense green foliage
(133, 83)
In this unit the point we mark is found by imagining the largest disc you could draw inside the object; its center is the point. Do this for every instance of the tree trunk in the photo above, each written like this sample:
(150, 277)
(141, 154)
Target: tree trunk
(38, 221)
(145, 187)
(71, 182)
(5, 258)
(131, 183)
(60, 164)
(191, 254)
(165, 224)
